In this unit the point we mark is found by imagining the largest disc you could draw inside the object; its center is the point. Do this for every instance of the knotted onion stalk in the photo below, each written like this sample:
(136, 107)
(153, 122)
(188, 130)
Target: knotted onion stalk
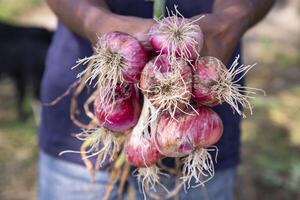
(141, 151)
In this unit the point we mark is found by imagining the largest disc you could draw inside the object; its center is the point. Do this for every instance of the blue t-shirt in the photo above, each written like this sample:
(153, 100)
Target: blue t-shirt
(57, 129)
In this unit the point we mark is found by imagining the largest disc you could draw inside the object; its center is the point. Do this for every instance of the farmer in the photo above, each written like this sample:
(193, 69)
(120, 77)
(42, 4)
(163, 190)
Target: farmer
(80, 21)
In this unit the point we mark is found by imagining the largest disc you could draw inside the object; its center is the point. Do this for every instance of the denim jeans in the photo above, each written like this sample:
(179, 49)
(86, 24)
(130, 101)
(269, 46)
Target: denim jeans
(62, 180)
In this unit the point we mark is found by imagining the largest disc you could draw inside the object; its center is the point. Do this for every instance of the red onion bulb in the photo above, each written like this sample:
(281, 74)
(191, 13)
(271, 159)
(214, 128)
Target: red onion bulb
(123, 113)
(215, 84)
(167, 84)
(177, 138)
(141, 152)
(119, 58)
(177, 36)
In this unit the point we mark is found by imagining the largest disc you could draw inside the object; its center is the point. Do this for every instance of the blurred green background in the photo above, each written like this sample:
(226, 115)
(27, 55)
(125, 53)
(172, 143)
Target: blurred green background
(271, 136)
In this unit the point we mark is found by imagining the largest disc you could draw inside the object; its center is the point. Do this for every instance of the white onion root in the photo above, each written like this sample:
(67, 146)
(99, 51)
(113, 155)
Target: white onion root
(101, 142)
(178, 35)
(230, 91)
(106, 67)
(198, 166)
(148, 178)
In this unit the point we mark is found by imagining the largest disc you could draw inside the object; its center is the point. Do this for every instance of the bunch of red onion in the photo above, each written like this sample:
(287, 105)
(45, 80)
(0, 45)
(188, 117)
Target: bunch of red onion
(177, 84)
(167, 85)
(176, 80)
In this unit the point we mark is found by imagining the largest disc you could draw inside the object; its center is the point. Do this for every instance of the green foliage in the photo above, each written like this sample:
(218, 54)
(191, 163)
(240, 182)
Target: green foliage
(271, 139)
(18, 147)
(9, 9)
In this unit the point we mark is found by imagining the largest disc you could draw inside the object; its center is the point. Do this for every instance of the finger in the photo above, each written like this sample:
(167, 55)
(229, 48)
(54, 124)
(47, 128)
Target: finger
(144, 39)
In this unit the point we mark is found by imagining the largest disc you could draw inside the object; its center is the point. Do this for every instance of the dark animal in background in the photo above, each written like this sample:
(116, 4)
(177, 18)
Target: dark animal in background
(22, 53)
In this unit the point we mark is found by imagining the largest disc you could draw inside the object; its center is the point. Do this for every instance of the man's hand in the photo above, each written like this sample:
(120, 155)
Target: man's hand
(227, 23)
(92, 18)
(220, 36)
(222, 29)
(137, 27)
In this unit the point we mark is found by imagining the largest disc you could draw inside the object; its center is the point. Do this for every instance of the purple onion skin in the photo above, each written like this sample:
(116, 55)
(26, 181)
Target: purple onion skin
(141, 153)
(134, 55)
(177, 138)
(160, 66)
(205, 75)
(207, 127)
(123, 114)
(157, 40)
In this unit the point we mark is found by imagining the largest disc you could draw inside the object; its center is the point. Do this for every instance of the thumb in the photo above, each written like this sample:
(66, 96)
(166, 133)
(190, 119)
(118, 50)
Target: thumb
(144, 40)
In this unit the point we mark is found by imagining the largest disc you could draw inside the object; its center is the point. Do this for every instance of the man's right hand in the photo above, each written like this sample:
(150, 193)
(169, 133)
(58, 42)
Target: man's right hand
(137, 27)
(92, 18)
